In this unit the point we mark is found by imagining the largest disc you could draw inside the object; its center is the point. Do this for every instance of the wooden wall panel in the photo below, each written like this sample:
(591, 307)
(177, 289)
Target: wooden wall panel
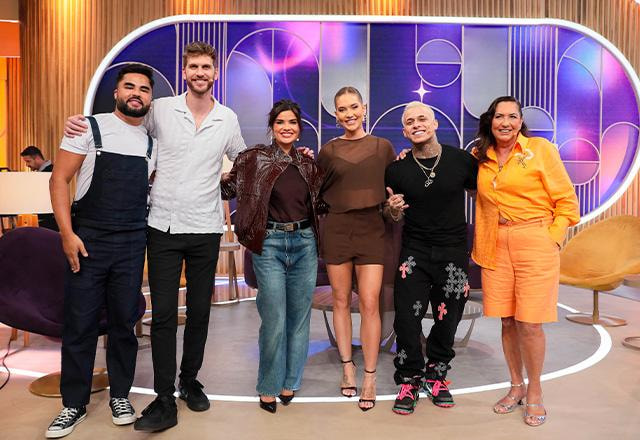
(15, 119)
(63, 42)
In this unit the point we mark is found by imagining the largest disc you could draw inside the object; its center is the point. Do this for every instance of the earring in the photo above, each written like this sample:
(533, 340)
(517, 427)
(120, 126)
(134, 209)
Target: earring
(338, 124)
(297, 139)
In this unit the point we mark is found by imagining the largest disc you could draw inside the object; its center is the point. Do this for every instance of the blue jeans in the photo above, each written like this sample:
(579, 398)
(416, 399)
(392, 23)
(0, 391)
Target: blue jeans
(286, 275)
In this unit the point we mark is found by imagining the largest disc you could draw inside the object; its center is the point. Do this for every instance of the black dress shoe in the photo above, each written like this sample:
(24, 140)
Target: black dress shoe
(191, 392)
(161, 414)
(268, 406)
(286, 399)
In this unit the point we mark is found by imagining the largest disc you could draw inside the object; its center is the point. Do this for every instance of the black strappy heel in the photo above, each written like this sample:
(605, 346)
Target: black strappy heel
(367, 400)
(349, 388)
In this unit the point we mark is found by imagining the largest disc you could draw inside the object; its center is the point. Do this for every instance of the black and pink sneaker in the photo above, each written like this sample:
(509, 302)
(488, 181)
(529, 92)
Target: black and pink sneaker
(407, 399)
(438, 392)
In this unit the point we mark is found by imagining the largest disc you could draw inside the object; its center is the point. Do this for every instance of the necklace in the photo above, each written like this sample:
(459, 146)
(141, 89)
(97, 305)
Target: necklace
(430, 170)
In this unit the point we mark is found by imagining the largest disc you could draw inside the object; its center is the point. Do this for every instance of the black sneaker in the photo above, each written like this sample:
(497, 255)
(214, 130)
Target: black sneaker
(66, 422)
(439, 393)
(161, 414)
(436, 385)
(407, 399)
(122, 413)
(191, 392)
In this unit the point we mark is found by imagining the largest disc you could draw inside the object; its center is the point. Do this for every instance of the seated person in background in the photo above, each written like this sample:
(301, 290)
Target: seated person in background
(35, 161)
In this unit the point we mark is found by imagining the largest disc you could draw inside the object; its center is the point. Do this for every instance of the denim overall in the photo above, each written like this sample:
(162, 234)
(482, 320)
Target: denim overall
(110, 219)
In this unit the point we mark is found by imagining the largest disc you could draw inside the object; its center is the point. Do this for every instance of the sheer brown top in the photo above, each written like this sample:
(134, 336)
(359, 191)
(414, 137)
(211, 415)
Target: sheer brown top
(354, 172)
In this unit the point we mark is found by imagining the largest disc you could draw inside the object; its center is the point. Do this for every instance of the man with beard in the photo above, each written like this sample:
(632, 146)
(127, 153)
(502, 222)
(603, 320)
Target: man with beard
(103, 237)
(427, 187)
(186, 221)
(35, 161)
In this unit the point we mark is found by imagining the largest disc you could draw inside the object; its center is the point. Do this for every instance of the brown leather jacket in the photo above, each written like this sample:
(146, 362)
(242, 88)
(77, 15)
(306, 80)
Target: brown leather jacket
(251, 180)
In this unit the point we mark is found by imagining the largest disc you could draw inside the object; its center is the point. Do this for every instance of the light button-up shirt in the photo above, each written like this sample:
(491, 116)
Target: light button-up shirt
(185, 197)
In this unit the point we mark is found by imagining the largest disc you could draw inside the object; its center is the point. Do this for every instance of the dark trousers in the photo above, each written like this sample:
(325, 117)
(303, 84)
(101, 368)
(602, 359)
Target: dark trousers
(166, 253)
(436, 275)
(109, 277)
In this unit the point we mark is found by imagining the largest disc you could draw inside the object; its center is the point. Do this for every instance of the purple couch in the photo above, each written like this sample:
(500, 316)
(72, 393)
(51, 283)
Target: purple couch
(32, 272)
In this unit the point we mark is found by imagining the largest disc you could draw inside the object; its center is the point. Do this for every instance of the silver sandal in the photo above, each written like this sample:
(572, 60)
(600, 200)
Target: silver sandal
(534, 420)
(510, 407)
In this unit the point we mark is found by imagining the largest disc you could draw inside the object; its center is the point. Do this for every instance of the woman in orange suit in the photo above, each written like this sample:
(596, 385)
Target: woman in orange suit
(524, 205)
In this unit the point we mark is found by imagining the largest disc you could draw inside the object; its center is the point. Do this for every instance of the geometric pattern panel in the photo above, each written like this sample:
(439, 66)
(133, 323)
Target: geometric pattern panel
(577, 90)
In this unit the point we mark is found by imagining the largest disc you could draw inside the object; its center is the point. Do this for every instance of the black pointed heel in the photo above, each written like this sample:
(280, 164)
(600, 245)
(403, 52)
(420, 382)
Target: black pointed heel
(285, 400)
(268, 406)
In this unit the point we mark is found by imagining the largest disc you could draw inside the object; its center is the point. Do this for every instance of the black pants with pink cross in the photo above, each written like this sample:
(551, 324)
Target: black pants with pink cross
(428, 274)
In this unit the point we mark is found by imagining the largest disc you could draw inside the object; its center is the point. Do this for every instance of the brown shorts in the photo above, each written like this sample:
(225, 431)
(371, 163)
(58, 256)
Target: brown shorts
(356, 236)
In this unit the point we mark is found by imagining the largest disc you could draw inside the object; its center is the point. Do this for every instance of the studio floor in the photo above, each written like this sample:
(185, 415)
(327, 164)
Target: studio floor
(591, 391)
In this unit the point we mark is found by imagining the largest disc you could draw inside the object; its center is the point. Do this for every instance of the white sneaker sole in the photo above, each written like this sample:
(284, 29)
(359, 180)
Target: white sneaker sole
(63, 432)
(127, 420)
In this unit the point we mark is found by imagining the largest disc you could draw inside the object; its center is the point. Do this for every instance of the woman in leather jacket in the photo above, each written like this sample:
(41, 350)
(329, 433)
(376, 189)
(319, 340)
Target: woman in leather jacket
(277, 190)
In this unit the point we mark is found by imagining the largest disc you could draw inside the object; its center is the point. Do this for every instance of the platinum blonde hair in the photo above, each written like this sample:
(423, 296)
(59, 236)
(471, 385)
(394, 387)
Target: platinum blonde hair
(415, 104)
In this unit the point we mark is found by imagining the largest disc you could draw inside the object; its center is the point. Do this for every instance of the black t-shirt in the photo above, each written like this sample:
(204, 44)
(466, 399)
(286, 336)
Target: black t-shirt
(436, 215)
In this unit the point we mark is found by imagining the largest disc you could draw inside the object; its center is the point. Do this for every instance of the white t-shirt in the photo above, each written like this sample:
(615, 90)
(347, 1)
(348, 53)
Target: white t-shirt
(117, 137)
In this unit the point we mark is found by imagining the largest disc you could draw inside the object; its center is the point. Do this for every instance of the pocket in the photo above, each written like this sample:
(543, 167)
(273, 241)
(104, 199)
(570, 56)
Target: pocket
(307, 233)
(550, 238)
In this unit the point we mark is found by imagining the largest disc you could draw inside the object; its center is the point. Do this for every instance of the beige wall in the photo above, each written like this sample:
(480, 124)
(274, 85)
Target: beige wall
(58, 64)
(9, 9)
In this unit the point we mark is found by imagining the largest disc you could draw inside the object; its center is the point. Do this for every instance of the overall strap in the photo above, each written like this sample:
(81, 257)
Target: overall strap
(149, 147)
(95, 130)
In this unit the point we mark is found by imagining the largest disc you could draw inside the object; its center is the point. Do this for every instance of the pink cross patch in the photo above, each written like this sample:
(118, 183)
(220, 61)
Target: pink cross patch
(442, 308)
(404, 267)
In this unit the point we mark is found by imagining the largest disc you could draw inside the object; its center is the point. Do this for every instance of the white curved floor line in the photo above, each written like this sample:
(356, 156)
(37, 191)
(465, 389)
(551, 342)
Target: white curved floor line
(597, 356)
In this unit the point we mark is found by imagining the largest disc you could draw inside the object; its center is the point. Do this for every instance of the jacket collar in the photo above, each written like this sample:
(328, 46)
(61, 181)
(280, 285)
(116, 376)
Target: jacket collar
(293, 157)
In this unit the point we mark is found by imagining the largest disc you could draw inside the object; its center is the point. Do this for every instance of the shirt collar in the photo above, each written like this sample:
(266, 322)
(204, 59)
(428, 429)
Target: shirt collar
(521, 144)
(44, 165)
(214, 115)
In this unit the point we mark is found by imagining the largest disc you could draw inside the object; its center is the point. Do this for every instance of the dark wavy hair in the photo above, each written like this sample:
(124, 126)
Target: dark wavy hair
(282, 106)
(484, 137)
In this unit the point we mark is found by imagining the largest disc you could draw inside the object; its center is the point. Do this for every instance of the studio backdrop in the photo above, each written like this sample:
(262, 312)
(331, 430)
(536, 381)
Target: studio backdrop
(576, 88)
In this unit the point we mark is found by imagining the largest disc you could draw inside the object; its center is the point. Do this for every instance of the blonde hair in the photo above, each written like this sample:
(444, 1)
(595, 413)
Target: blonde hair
(416, 104)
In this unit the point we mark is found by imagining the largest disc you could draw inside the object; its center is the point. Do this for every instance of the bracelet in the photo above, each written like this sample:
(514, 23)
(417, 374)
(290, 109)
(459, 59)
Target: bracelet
(393, 217)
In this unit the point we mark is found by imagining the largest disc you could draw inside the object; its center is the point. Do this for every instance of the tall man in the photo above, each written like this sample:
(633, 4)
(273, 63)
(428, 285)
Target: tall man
(35, 161)
(186, 221)
(105, 244)
(427, 188)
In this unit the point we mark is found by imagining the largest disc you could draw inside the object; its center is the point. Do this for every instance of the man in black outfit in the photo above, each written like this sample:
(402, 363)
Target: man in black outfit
(427, 189)
(35, 161)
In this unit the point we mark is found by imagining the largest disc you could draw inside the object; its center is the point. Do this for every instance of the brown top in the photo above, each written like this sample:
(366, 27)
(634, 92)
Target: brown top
(354, 172)
(290, 200)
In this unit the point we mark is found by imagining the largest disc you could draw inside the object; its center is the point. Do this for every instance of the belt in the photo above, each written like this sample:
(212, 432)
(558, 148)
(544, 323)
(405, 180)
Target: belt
(288, 227)
(504, 222)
